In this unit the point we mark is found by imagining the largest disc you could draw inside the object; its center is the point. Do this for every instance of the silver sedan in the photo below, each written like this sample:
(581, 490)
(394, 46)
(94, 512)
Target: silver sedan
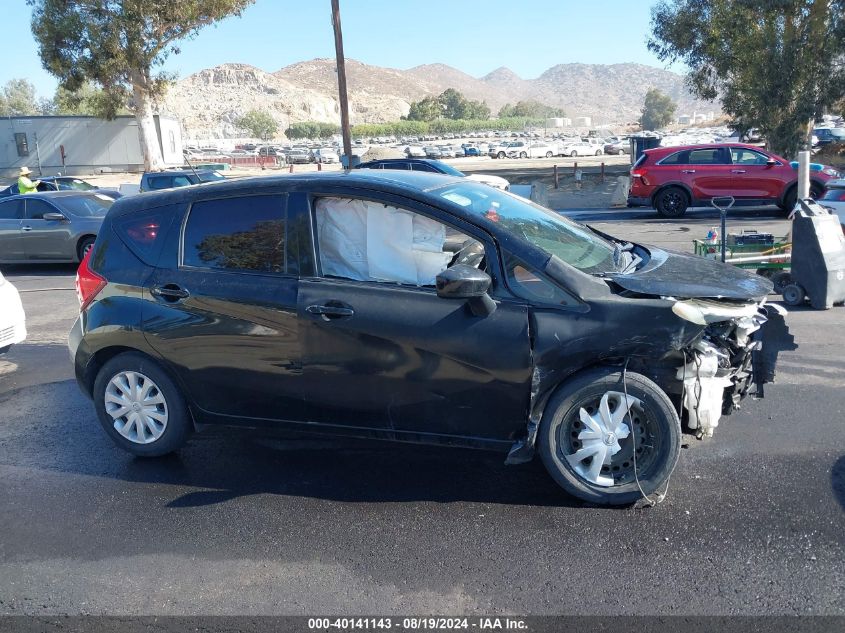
(51, 227)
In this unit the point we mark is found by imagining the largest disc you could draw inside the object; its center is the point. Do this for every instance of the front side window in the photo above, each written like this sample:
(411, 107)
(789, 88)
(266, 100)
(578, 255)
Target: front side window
(364, 240)
(742, 156)
(93, 206)
(245, 233)
(35, 209)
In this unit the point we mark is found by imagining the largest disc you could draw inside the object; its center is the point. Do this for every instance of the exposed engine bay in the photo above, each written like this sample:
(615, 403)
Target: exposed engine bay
(718, 369)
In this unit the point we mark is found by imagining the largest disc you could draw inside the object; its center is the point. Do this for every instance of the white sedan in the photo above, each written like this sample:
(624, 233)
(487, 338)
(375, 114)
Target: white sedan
(581, 149)
(12, 318)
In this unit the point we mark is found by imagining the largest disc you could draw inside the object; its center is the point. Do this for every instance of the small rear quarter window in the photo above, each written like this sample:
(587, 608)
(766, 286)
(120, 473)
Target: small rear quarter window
(144, 233)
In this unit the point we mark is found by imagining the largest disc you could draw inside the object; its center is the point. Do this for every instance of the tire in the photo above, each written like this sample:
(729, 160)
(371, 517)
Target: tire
(166, 432)
(549, 154)
(573, 154)
(672, 202)
(598, 153)
(789, 199)
(816, 191)
(793, 295)
(562, 430)
(523, 155)
(781, 280)
(500, 155)
(85, 245)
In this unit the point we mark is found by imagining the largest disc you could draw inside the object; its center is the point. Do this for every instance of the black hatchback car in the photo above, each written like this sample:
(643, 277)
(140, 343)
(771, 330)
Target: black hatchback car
(414, 307)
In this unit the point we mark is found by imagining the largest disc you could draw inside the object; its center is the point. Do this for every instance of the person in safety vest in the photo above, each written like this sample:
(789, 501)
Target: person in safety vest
(25, 185)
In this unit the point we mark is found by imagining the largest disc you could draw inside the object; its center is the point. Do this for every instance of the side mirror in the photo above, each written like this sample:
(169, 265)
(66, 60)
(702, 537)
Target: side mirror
(54, 217)
(466, 282)
(771, 162)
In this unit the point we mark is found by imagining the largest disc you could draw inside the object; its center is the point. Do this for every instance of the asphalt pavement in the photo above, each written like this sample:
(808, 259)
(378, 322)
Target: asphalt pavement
(248, 523)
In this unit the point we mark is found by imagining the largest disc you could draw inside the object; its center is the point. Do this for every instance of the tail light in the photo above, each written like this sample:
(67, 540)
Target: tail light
(88, 283)
(636, 173)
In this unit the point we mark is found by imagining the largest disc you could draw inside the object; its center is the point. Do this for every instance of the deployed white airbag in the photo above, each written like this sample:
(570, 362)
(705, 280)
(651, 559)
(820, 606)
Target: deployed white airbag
(366, 240)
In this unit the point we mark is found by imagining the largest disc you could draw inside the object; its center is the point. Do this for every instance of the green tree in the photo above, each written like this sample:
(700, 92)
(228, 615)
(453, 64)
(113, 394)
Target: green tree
(119, 45)
(260, 124)
(427, 109)
(17, 98)
(658, 110)
(312, 130)
(87, 100)
(775, 64)
(533, 109)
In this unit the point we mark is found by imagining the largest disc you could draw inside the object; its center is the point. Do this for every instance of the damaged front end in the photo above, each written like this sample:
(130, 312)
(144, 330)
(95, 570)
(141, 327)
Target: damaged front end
(737, 349)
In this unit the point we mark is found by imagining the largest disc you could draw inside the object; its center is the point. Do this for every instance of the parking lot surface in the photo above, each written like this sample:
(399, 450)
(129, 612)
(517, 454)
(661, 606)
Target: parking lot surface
(243, 522)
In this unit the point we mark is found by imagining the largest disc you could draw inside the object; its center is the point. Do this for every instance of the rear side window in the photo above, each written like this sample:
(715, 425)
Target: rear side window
(245, 233)
(159, 182)
(678, 158)
(145, 233)
(714, 156)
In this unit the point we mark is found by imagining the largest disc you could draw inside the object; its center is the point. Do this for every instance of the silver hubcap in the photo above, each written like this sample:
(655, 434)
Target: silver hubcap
(600, 437)
(137, 406)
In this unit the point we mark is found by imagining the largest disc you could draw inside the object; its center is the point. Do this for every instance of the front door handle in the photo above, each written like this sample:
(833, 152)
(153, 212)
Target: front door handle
(26, 228)
(687, 171)
(330, 311)
(737, 171)
(169, 292)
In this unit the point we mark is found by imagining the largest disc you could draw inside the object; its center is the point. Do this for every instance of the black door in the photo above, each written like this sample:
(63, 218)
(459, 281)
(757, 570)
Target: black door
(224, 318)
(388, 354)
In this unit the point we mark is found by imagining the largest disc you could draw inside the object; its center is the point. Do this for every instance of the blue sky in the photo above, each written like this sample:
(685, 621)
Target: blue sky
(475, 36)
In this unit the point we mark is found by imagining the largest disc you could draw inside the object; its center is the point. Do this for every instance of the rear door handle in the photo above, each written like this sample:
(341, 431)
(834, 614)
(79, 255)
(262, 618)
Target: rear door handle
(26, 228)
(737, 171)
(330, 311)
(687, 171)
(169, 292)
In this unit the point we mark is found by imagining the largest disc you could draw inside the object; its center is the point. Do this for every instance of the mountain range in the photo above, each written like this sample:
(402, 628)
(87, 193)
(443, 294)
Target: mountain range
(210, 101)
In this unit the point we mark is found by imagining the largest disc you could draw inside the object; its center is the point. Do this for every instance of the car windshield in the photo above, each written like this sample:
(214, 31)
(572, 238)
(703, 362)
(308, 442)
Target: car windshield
(95, 206)
(450, 171)
(79, 185)
(210, 176)
(573, 243)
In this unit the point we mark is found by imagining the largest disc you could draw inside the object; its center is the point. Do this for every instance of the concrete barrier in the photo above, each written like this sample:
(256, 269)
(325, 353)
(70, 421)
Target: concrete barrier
(620, 194)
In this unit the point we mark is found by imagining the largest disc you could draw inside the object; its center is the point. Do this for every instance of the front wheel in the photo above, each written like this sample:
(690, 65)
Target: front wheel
(573, 154)
(604, 446)
(549, 154)
(140, 407)
(598, 153)
(793, 294)
(523, 155)
(500, 155)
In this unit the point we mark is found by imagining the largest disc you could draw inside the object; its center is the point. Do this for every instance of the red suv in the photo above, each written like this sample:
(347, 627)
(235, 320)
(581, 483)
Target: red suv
(671, 179)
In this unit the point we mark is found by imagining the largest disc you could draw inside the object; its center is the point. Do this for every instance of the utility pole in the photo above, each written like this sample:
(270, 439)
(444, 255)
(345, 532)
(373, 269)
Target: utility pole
(341, 83)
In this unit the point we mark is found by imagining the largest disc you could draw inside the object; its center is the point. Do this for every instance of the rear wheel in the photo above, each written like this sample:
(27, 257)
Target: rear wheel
(140, 407)
(573, 154)
(598, 152)
(604, 446)
(549, 154)
(500, 155)
(523, 155)
(671, 202)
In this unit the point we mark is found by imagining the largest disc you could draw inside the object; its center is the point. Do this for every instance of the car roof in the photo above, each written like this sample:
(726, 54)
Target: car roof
(179, 172)
(683, 148)
(388, 181)
(53, 195)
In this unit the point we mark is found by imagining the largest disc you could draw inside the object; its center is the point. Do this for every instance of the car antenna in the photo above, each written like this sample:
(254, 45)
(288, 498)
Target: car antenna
(188, 163)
